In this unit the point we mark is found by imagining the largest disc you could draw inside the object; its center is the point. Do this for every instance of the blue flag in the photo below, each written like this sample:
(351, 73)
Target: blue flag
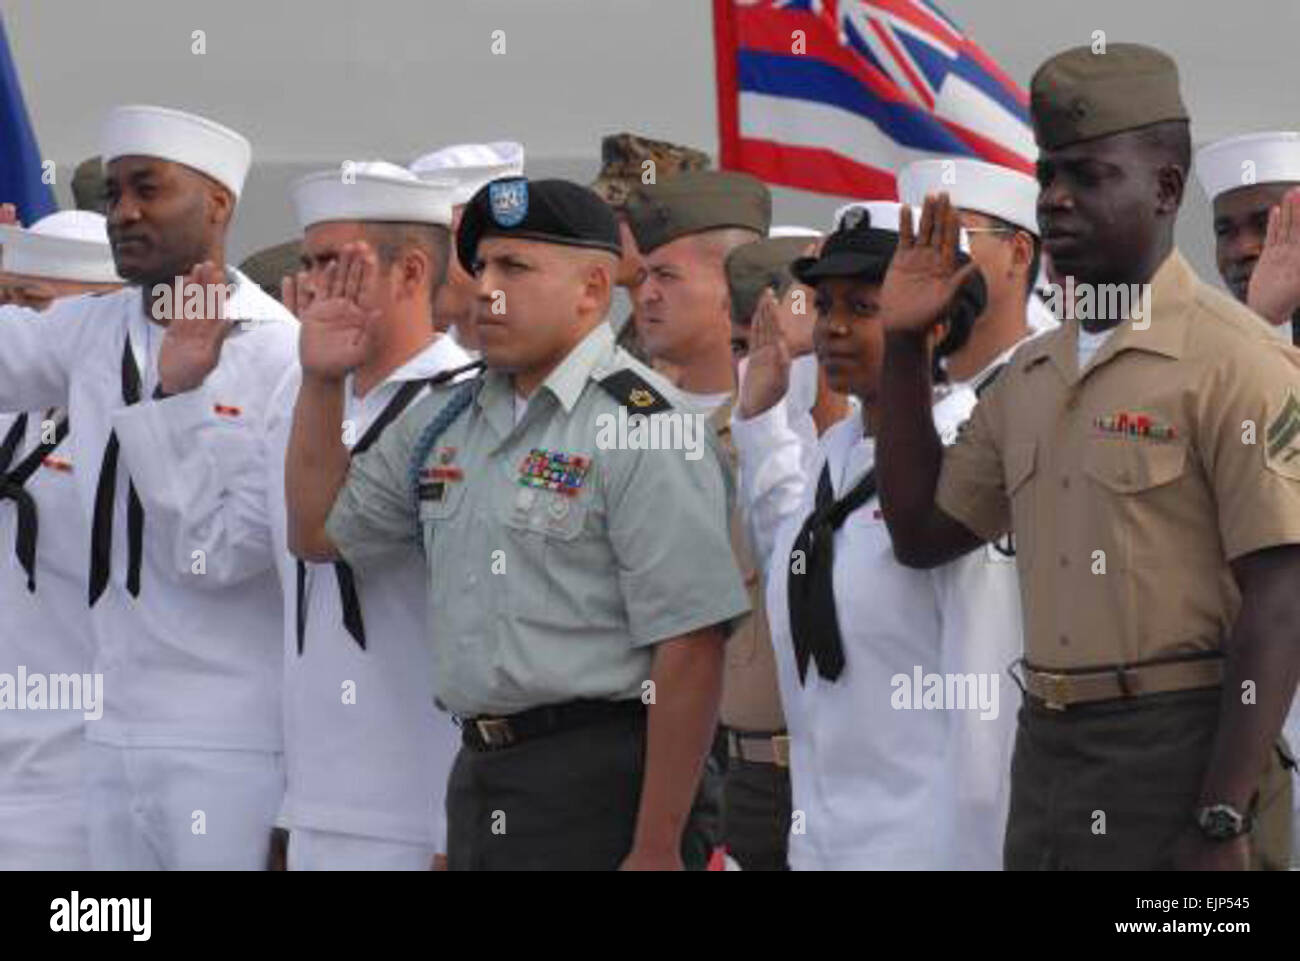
(20, 161)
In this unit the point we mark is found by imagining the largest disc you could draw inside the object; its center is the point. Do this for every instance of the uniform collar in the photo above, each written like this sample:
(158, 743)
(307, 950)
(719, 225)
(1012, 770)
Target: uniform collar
(566, 382)
(1172, 290)
(439, 355)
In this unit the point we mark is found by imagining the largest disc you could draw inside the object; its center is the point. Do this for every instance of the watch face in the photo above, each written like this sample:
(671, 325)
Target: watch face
(1220, 822)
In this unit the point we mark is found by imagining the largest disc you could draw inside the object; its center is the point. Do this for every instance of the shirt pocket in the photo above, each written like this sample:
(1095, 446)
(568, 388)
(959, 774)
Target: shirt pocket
(552, 561)
(1137, 477)
(438, 514)
(1021, 471)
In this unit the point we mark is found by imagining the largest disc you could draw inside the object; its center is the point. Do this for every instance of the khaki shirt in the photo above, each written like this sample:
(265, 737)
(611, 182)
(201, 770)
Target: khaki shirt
(537, 596)
(751, 698)
(1130, 487)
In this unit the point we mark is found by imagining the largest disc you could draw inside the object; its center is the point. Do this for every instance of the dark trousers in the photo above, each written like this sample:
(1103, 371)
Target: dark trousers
(1131, 769)
(564, 801)
(756, 814)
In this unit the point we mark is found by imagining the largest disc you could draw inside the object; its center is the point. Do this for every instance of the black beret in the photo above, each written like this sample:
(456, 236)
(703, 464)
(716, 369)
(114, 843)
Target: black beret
(552, 211)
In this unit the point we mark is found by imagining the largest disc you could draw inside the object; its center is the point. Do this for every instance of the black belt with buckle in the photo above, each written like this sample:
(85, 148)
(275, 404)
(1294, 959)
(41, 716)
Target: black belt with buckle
(495, 733)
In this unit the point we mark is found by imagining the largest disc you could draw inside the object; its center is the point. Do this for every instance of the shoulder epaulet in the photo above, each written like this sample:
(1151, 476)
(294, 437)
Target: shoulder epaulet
(634, 392)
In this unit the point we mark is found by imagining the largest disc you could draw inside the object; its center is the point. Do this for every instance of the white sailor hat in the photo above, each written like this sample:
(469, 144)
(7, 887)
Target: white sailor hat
(196, 142)
(374, 191)
(471, 165)
(985, 188)
(1255, 158)
(883, 215)
(68, 245)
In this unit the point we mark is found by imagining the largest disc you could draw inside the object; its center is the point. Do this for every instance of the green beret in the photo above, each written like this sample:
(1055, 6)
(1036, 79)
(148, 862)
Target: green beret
(693, 202)
(752, 268)
(268, 266)
(1080, 95)
(623, 157)
(88, 185)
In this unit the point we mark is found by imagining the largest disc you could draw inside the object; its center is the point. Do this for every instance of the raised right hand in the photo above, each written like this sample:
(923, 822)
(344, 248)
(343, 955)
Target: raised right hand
(923, 276)
(767, 375)
(337, 315)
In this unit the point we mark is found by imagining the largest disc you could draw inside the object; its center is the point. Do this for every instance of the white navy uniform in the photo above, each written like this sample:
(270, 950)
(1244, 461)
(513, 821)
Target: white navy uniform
(183, 769)
(366, 772)
(879, 787)
(44, 632)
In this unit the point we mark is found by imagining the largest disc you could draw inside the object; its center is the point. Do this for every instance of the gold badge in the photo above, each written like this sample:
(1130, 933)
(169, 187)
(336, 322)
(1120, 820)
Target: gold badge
(1282, 442)
(640, 397)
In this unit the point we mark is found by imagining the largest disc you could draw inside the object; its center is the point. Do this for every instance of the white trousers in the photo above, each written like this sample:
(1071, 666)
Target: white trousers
(187, 809)
(312, 850)
(47, 834)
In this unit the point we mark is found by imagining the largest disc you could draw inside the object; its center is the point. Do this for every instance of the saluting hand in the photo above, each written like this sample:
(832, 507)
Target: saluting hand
(923, 276)
(767, 375)
(1274, 291)
(337, 315)
(798, 327)
(192, 345)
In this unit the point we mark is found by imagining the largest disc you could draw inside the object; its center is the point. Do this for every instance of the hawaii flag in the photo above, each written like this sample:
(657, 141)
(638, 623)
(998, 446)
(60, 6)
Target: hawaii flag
(834, 96)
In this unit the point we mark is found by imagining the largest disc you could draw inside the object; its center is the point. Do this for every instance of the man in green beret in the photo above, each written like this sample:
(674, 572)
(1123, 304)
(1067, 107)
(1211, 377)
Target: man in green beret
(1147, 461)
(584, 587)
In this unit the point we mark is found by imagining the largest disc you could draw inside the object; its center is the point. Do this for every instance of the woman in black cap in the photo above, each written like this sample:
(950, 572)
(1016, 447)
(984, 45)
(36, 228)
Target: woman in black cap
(882, 777)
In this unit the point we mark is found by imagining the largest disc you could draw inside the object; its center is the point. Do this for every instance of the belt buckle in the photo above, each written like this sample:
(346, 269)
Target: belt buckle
(495, 731)
(1057, 690)
(781, 750)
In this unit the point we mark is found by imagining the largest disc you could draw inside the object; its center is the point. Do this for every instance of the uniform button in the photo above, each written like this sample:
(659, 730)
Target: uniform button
(1065, 561)
(1065, 483)
(1065, 640)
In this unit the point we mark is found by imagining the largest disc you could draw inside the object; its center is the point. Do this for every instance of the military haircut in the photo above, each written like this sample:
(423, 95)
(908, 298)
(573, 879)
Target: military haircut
(724, 240)
(391, 240)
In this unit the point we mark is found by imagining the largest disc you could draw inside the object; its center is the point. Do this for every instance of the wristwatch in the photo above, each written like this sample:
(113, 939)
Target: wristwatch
(1222, 822)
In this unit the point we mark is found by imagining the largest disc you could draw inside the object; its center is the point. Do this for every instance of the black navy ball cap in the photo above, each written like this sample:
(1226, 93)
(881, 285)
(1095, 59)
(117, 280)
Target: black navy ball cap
(552, 211)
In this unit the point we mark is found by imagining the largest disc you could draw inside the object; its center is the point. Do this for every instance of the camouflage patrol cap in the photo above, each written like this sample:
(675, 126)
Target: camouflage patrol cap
(88, 185)
(623, 157)
(752, 268)
(1079, 95)
(694, 202)
(268, 266)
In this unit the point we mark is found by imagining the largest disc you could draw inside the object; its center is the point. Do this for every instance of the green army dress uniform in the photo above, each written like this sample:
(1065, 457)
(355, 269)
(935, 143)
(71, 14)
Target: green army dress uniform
(556, 562)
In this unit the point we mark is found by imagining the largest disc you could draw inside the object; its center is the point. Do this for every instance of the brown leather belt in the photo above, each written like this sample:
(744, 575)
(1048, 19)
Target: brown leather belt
(759, 747)
(1058, 690)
